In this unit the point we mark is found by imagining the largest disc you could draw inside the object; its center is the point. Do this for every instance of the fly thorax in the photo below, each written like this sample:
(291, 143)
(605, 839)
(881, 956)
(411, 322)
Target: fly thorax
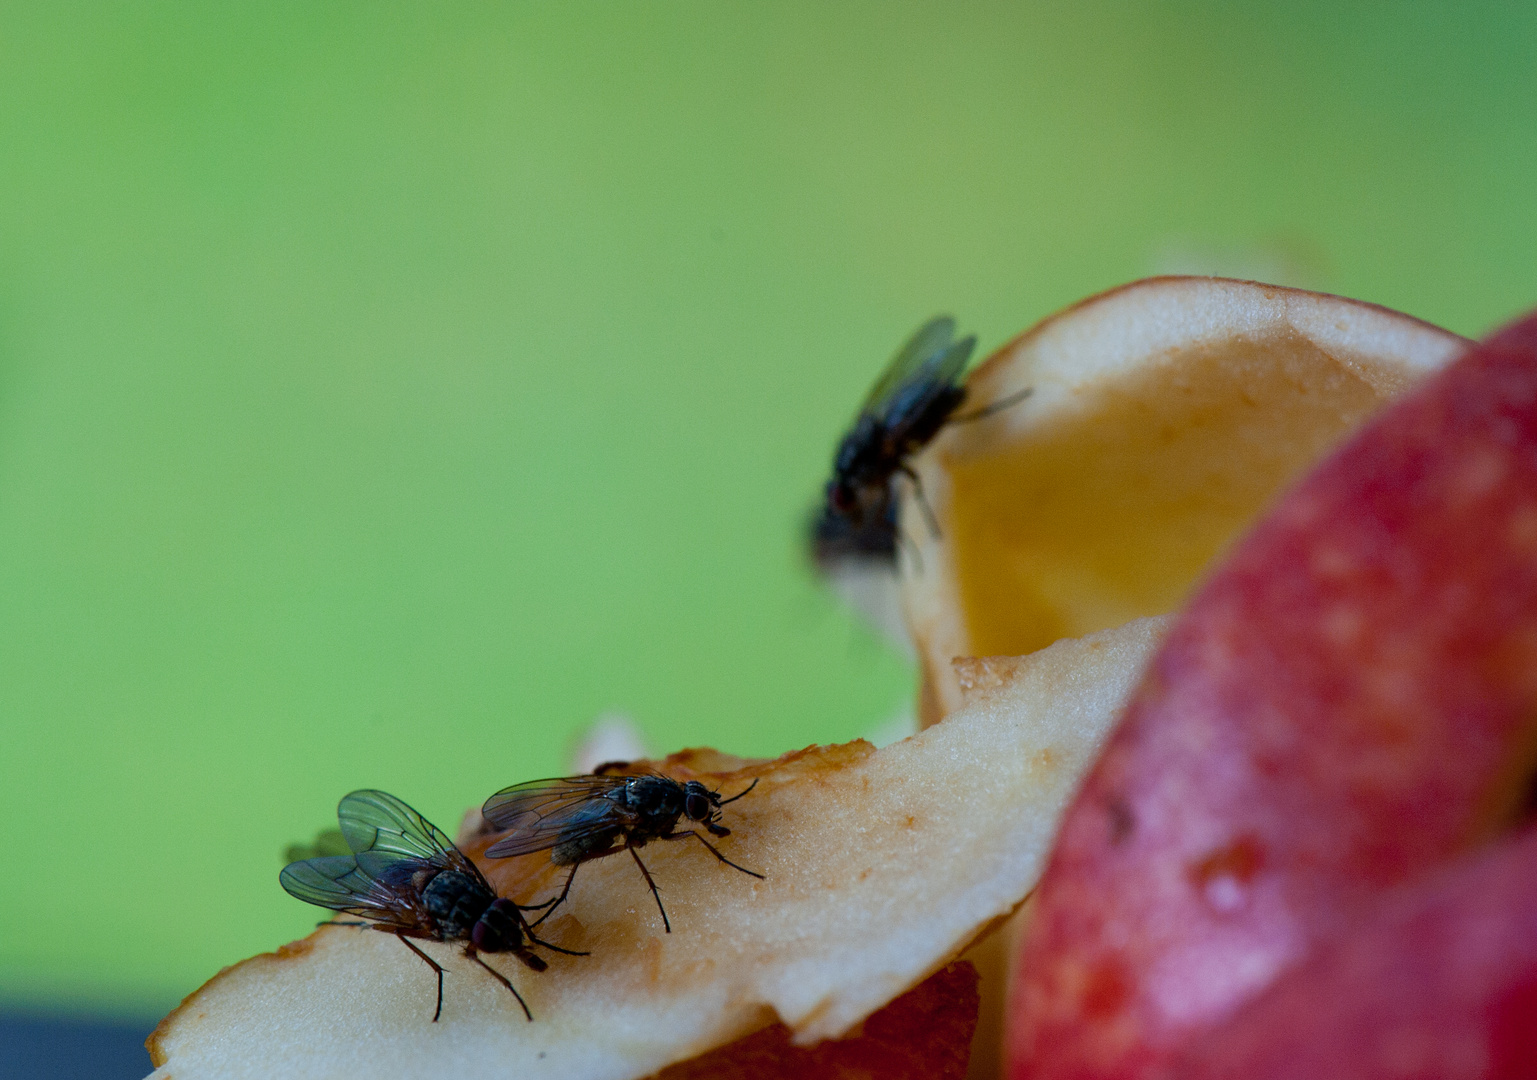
(499, 928)
(927, 424)
(658, 802)
(455, 901)
(858, 447)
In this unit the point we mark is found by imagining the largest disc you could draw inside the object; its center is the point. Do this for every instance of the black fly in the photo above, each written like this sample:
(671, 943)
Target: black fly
(915, 396)
(405, 877)
(582, 818)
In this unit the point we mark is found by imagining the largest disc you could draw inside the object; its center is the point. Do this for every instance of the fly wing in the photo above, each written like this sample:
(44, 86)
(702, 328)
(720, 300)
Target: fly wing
(338, 883)
(378, 823)
(930, 359)
(539, 814)
(330, 881)
(383, 830)
(910, 407)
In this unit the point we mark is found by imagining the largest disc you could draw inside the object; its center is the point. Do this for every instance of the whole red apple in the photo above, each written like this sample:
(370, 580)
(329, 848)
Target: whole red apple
(1347, 704)
(1440, 984)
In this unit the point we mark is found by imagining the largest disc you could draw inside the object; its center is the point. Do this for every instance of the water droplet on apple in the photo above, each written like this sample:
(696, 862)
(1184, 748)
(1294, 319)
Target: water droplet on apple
(1224, 876)
(1225, 894)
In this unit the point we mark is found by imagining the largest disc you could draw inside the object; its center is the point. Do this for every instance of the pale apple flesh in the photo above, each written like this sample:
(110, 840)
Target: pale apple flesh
(1441, 984)
(1349, 702)
(880, 868)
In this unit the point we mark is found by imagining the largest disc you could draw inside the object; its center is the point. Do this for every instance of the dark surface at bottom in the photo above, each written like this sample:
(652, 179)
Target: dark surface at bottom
(58, 1048)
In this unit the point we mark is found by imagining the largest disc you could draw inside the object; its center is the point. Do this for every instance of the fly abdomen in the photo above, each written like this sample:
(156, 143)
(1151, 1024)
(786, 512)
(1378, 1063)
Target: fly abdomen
(573, 851)
(456, 902)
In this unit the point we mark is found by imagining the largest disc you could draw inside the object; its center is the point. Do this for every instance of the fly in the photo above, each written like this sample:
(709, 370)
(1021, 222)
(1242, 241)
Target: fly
(405, 877)
(916, 395)
(581, 818)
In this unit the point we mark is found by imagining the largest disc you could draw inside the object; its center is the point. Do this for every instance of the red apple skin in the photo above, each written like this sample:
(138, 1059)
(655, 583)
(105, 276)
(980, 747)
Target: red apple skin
(1441, 984)
(1345, 705)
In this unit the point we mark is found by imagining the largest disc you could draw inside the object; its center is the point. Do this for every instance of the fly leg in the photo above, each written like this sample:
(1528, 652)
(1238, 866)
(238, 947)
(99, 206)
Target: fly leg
(923, 502)
(744, 791)
(552, 905)
(667, 926)
(906, 542)
(553, 948)
(435, 966)
(499, 977)
(717, 854)
(996, 407)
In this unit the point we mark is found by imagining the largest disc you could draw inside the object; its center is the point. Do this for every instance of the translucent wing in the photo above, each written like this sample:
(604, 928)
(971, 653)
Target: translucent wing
(330, 881)
(382, 830)
(374, 821)
(539, 814)
(922, 404)
(338, 883)
(930, 359)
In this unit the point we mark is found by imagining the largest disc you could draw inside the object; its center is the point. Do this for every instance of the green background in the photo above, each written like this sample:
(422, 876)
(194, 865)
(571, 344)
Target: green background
(386, 390)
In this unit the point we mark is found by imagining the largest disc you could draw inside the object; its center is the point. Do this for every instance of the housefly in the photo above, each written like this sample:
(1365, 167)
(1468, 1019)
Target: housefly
(405, 877)
(581, 818)
(916, 395)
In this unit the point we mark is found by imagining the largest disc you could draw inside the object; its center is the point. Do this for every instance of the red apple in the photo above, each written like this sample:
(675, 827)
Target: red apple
(1348, 703)
(1440, 985)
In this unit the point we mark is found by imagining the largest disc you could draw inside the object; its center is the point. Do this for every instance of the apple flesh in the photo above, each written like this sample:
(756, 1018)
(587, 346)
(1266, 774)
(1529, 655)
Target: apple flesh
(1348, 703)
(1439, 985)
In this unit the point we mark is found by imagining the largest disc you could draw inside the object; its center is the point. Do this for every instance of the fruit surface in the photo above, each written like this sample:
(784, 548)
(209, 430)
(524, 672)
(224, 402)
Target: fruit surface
(1164, 417)
(1441, 984)
(1349, 702)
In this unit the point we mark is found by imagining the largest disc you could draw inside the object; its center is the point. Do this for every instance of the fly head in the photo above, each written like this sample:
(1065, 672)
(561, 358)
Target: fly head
(699, 802)
(500, 928)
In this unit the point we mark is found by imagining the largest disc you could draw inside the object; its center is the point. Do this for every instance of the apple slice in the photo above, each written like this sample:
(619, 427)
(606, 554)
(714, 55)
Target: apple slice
(881, 867)
(1439, 985)
(1348, 703)
(1166, 415)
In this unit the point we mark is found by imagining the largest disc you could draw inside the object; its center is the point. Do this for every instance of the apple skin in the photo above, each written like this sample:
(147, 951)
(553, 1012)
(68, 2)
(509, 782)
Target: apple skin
(1441, 984)
(1345, 705)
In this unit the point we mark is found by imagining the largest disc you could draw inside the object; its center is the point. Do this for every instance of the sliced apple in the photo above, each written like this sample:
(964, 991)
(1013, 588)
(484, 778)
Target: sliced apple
(1348, 703)
(881, 867)
(1165, 416)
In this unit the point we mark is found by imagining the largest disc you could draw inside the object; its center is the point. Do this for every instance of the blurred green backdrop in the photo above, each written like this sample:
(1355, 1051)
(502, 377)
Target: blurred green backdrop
(387, 389)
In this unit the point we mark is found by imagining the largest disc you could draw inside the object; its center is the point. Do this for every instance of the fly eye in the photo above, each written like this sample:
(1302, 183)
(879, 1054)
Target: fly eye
(696, 806)
(840, 495)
